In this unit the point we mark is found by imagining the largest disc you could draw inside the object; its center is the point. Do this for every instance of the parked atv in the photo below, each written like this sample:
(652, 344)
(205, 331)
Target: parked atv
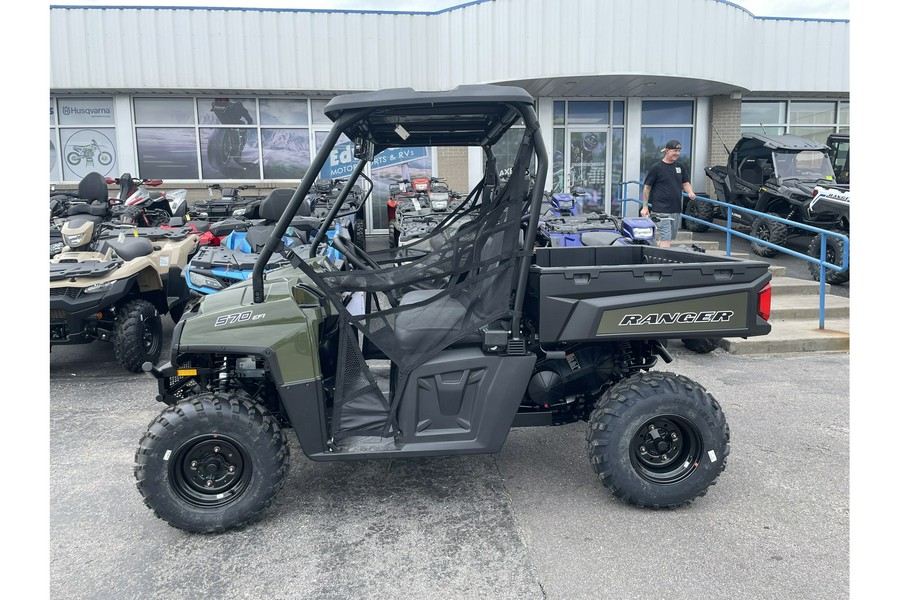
(137, 205)
(773, 174)
(324, 198)
(230, 203)
(419, 211)
(115, 288)
(216, 267)
(90, 205)
(482, 333)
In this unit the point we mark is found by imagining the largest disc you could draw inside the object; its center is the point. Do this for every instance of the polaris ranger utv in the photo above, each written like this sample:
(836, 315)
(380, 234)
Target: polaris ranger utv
(454, 343)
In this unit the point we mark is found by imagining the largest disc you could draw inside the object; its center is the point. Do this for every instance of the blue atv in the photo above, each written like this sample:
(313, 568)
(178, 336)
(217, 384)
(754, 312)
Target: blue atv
(214, 268)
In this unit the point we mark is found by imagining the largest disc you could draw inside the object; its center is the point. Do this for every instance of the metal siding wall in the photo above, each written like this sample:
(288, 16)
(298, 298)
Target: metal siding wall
(488, 42)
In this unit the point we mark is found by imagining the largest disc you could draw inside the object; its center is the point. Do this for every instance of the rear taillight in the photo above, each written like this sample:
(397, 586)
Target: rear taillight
(764, 308)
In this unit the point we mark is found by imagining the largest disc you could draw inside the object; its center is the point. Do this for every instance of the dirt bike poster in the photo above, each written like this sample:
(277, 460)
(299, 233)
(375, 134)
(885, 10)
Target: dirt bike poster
(87, 150)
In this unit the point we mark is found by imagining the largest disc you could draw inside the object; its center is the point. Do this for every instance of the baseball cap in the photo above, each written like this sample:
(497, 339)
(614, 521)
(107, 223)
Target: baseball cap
(673, 144)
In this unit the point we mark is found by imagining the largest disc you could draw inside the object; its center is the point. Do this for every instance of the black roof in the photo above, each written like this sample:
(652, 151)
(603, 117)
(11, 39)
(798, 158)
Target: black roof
(782, 142)
(468, 115)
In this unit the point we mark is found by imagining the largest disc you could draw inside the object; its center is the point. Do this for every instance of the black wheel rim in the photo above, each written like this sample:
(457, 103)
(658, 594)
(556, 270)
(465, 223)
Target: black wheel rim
(210, 471)
(149, 337)
(830, 254)
(666, 449)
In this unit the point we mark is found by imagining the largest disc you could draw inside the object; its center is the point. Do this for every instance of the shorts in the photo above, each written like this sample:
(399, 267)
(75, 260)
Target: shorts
(668, 225)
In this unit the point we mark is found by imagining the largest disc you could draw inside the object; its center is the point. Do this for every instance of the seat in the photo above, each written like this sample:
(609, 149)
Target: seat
(131, 247)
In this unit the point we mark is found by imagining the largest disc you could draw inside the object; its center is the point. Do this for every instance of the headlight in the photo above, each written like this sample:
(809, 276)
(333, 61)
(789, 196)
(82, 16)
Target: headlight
(439, 205)
(56, 248)
(238, 212)
(204, 281)
(74, 240)
(643, 233)
(98, 287)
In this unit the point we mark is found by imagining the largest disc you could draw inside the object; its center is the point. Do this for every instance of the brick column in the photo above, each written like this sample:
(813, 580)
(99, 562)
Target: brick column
(453, 166)
(726, 118)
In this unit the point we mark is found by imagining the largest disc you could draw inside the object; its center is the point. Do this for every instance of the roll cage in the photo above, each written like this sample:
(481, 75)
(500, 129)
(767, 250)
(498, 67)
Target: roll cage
(469, 115)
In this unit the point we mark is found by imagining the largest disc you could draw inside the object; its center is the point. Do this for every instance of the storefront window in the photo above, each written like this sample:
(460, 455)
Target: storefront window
(285, 150)
(665, 120)
(588, 113)
(667, 112)
(165, 150)
(222, 138)
(844, 116)
(812, 113)
(318, 112)
(164, 111)
(86, 136)
(813, 120)
(763, 113)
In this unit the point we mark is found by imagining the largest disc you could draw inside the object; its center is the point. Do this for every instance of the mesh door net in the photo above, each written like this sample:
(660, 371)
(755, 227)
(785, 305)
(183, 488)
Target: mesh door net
(442, 298)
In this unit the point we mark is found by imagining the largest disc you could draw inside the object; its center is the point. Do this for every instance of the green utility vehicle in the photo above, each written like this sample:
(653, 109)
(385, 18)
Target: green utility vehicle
(436, 349)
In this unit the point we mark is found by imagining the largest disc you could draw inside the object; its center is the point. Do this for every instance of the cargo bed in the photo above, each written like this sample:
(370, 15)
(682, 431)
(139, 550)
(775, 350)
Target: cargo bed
(643, 292)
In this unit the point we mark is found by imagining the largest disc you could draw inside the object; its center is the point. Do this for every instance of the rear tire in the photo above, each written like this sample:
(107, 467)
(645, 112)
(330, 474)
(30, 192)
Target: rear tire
(699, 210)
(138, 335)
(658, 440)
(770, 231)
(211, 463)
(834, 253)
(702, 345)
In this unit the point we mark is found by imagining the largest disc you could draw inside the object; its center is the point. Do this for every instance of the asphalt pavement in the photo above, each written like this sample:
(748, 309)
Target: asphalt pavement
(530, 522)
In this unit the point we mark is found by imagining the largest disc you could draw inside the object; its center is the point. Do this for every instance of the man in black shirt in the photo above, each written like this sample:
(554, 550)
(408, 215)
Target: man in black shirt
(662, 187)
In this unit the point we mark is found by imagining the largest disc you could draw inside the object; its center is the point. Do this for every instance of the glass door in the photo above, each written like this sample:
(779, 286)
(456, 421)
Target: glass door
(588, 158)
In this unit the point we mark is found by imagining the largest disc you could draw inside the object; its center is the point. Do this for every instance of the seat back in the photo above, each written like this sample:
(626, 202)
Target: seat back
(93, 188)
(275, 204)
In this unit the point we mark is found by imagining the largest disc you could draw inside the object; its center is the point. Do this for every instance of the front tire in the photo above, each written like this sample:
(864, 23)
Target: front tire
(834, 253)
(658, 440)
(138, 335)
(211, 463)
(770, 231)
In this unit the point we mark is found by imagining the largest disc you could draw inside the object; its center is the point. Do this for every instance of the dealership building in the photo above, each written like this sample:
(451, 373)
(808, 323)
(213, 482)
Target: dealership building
(200, 96)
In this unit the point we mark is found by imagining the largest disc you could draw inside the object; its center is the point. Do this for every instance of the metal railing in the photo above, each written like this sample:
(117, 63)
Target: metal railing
(822, 263)
(623, 189)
